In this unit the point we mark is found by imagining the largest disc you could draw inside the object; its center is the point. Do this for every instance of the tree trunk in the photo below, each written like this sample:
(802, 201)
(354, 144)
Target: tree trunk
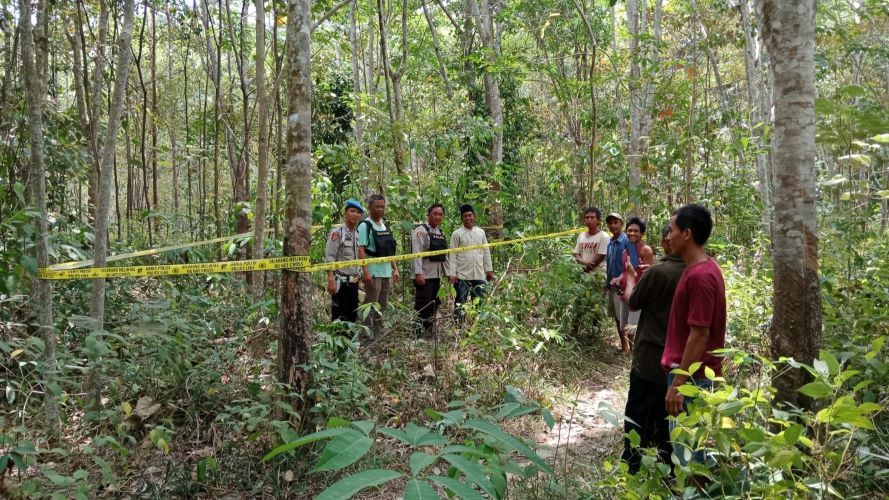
(441, 67)
(295, 343)
(483, 14)
(396, 108)
(788, 30)
(95, 107)
(756, 118)
(262, 112)
(357, 100)
(34, 50)
(174, 160)
(97, 304)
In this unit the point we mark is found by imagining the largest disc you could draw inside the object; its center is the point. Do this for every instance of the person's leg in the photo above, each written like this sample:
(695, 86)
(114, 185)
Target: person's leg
(423, 305)
(336, 304)
(463, 287)
(428, 316)
(371, 295)
(383, 299)
(349, 301)
(683, 450)
(635, 411)
(479, 289)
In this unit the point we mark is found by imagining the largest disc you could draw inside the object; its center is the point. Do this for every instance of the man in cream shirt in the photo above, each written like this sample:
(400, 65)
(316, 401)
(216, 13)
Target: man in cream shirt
(470, 270)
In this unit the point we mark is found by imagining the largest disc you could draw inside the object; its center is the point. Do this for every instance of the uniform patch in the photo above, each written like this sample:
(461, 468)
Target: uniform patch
(335, 235)
(420, 233)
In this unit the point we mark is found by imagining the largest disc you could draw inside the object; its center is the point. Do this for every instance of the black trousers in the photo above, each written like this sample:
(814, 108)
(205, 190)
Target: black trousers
(426, 304)
(345, 302)
(645, 406)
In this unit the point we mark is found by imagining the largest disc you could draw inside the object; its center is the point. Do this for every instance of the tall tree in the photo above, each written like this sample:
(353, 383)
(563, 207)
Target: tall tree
(295, 343)
(34, 56)
(788, 30)
(484, 20)
(109, 147)
(395, 100)
(262, 162)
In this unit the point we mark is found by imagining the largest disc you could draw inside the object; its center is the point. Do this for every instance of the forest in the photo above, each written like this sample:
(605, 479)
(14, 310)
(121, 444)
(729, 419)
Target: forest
(174, 173)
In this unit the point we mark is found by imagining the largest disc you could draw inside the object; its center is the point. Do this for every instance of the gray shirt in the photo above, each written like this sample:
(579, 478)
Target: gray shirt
(342, 245)
(420, 243)
(471, 264)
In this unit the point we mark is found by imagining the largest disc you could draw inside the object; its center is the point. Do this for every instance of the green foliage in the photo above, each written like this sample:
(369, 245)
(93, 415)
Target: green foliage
(477, 453)
(758, 448)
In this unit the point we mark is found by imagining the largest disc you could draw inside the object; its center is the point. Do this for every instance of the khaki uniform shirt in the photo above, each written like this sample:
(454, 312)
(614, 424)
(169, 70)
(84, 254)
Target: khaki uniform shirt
(420, 243)
(342, 245)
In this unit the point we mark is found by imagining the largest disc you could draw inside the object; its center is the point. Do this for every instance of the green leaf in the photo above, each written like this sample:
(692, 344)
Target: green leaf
(416, 489)
(348, 486)
(821, 367)
(694, 367)
(311, 438)
(857, 160)
(881, 138)
(420, 460)
(689, 391)
(498, 434)
(816, 390)
(458, 488)
(365, 426)
(835, 181)
(458, 448)
(19, 189)
(709, 373)
(343, 451)
(58, 479)
(833, 366)
(548, 418)
(792, 433)
(882, 194)
(396, 433)
(472, 471)
(852, 91)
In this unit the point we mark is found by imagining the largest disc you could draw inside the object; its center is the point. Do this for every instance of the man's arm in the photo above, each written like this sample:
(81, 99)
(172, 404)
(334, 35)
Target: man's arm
(694, 352)
(452, 259)
(418, 244)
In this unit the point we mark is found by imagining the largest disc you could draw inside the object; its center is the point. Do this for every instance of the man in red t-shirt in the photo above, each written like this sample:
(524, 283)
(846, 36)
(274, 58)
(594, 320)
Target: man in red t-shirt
(697, 316)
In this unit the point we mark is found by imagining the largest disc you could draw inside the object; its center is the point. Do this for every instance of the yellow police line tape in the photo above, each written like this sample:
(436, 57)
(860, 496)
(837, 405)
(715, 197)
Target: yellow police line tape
(297, 263)
(77, 264)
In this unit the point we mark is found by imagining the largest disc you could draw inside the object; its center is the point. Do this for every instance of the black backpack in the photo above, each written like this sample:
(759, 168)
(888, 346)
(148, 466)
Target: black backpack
(384, 242)
(436, 242)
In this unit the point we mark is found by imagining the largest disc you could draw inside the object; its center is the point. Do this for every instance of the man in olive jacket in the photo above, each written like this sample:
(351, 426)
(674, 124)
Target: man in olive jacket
(653, 295)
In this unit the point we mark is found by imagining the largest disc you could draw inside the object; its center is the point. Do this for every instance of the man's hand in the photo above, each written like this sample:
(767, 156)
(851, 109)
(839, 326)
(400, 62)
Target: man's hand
(673, 401)
(452, 279)
(331, 286)
(367, 277)
(420, 280)
(489, 275)
(395, 274)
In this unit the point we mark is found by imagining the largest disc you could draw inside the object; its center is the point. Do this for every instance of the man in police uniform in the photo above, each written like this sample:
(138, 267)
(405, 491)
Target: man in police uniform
(428, 270)
(342, 245)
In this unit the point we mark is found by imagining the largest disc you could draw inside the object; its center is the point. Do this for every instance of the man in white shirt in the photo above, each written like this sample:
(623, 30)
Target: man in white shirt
(470, 270)
(592, 246)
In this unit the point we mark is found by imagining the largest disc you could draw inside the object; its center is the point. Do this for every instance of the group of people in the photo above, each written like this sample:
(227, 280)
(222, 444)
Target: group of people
(359, 238)
(677, 307)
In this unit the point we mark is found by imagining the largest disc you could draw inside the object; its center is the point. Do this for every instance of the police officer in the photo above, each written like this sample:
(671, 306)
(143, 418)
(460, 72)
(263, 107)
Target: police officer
(428, 270)
(342, 245)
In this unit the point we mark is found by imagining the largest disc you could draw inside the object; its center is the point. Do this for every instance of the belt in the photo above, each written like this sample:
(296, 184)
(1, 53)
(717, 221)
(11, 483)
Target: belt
(347, 278)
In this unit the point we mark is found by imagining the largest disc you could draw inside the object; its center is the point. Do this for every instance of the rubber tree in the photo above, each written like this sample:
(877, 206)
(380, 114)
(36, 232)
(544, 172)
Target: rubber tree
(788, 30)
(295, 341)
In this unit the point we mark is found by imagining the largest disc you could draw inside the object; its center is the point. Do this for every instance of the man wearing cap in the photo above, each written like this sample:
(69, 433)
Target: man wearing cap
(342, 245)
(428, 270)
(469, 271)
(614, 268)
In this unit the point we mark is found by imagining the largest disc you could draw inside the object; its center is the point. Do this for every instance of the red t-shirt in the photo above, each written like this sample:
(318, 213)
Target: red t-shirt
(699, 301)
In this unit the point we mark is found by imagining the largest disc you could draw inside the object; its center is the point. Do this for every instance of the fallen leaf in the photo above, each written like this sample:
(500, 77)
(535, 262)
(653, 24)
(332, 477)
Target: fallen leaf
(146, 407)
(288, 476)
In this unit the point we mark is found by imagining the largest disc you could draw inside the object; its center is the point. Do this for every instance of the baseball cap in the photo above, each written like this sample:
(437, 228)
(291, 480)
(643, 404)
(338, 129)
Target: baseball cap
(614, 215)
(353, 203)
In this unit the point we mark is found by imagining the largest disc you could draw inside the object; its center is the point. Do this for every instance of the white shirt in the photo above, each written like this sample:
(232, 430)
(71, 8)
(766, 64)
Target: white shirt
(588, 246)
(471, 264)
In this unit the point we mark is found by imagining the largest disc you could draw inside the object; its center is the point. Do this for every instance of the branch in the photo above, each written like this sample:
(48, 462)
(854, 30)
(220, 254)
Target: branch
(333, 10)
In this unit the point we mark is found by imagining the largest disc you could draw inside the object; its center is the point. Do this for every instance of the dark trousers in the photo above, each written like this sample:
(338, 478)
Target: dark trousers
(426, 304)
(467, 289)
(645, 406)
(345, 302)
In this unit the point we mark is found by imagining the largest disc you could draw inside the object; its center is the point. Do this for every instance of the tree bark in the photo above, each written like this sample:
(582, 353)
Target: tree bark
(174, 146)
(357, 100)
(124, 55)
(262, 112)
(34, 49)
(788, 30)
(396, 106)
(295, 343)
